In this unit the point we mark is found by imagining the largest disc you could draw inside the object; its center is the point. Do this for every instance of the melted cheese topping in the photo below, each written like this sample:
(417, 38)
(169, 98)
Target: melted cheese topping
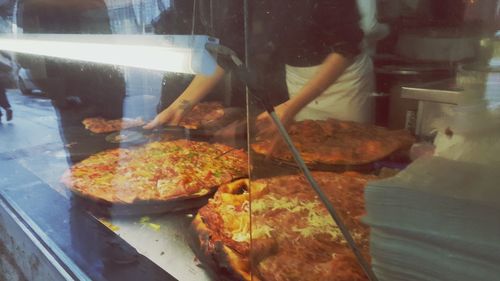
(237, 223)
(317, 221)
(302, 235)
(242, 234)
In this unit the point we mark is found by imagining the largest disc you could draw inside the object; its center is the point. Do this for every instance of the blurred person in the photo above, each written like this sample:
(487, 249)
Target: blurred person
(4, 103)
(222, 19)
(77, 89)
(5, 73)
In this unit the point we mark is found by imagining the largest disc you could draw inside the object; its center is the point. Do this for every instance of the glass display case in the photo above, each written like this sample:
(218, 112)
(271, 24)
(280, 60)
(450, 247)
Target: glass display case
(249, 140)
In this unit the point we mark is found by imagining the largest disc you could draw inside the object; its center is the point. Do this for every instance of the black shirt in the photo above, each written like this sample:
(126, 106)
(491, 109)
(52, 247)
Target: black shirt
(304, 32)
(223, 19)
(294, 32)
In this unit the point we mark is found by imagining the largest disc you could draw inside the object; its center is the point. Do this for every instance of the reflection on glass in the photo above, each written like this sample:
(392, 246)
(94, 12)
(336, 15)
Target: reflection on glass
(185, 54)
(208, 183)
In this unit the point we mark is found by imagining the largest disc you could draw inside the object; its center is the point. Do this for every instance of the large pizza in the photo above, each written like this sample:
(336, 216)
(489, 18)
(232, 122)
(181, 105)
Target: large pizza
(290, 235)
(335, 142)
(157, 171)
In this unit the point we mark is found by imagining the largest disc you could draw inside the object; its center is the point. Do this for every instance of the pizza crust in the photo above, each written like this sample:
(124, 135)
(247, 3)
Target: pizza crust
(228, 264)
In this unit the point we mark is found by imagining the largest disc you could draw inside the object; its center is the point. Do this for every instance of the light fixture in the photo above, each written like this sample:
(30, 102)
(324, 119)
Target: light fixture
(173, 53)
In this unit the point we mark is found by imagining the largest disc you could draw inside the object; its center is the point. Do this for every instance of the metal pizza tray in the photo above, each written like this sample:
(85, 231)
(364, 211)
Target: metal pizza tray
(265, 164)
(398, 160)
(125, 136)
(231, 114)
(107, 209)
(139, 135)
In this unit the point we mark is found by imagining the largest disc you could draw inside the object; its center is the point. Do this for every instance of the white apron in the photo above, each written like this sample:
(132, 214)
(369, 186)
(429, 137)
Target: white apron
(348, 98)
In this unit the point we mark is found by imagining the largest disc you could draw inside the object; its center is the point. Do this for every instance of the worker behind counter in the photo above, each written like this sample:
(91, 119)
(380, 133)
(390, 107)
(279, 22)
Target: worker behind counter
(319, 45)
(222, 19)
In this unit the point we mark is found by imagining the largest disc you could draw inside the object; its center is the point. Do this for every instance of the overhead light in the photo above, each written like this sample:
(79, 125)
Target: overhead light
(173, 53)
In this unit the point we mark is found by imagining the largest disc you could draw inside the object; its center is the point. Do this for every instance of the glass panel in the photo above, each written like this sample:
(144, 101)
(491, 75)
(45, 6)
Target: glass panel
(124, 173)
(374, 103)
(320, 72)
(114, 200)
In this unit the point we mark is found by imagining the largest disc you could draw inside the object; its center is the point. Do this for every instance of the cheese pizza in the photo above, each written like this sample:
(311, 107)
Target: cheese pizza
(336, 142)
(156, 171)
(290, 235)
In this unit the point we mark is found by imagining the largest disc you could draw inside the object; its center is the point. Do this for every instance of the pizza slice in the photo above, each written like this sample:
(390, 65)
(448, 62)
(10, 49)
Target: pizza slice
(100, 125)
(202, 114)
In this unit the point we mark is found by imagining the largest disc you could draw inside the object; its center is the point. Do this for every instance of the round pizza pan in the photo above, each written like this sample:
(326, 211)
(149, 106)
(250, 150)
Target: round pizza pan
(398, 160)
(338, 168)
(105, 208)
(263, 165)
(125, 136)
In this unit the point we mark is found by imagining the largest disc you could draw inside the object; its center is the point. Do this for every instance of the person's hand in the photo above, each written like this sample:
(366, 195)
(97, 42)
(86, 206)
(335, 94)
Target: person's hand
(229, 134)
(172, 115)
(266, 129)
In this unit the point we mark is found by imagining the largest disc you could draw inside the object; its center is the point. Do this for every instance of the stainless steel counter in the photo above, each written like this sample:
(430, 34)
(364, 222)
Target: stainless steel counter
(435, 99)
(444, 91)
(163, 239)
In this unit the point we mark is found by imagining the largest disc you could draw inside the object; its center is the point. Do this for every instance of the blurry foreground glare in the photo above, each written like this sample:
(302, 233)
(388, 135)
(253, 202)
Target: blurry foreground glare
(172, 53)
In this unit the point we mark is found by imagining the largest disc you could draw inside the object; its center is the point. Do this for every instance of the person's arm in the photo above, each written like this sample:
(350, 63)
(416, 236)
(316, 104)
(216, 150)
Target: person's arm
(330, 70)
(196, 91)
